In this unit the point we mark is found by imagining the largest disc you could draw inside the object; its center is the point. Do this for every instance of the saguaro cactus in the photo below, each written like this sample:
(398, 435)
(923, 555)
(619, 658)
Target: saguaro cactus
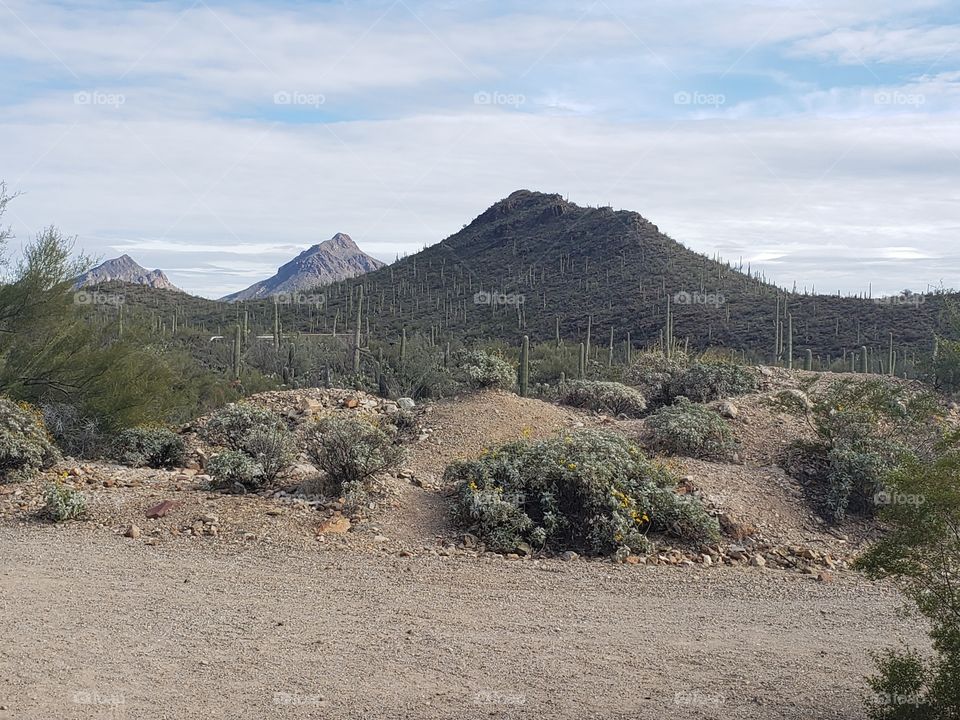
(582, 362)
(236, 353)
(808, 361)
(864, 362)
(524, 366)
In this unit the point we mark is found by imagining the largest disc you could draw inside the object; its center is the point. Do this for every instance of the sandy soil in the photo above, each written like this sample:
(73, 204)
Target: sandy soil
(96, 626)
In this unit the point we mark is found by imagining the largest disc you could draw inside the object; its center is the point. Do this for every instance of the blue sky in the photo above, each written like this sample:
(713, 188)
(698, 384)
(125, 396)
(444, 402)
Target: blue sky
(817, 140)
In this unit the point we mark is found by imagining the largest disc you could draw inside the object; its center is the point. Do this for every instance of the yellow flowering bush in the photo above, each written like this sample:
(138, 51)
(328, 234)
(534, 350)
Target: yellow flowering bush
(591, 490)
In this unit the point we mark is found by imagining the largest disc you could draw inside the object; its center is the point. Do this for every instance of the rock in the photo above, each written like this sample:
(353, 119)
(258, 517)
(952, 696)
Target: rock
(469, 540)
(512, 556)
(350, 402)
(734, 528)
(406, 403)
(737, 552)
(209, 519)
(706, 560)
(621, 554)
(758, 561)
(161, 509)
(523, 549)
(201, 458)
(380, 538)
(729, 410)
(633, 560)
(568, 555)
(336, 525)
(132, 532)
(825, 576)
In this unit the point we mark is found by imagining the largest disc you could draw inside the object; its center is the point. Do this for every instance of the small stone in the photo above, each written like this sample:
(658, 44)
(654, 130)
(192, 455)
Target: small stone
(758, 561)
(512, 556)
(825, 576)
(132, 532)
(336, 525)
(633, 560)
(568, 555)
(706, 560)
(729, 410)
(406, 403)
(161, 509)
(524, 549)
(350, 402)
(737, 552)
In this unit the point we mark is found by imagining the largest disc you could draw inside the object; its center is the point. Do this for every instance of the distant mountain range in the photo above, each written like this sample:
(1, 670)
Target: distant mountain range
(333, 260)
(124, 269)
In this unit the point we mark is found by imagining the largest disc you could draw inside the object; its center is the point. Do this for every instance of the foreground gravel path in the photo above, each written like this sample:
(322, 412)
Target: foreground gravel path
(93, 626)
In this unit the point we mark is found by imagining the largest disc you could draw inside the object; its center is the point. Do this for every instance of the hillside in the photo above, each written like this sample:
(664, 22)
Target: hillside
(536, 264)
(338, 258)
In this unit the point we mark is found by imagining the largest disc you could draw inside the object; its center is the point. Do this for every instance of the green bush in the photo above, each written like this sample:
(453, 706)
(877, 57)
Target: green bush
(150, 446)
(705, 382)
(230, 425)
(350, 451)
(233, 468)
(64, 503)
(921, 553)
(654, 373)
(25, 446)
(609, 397)
(272, 448)
(481, 369)
(686, 428)
(864, 430)
(591, 491)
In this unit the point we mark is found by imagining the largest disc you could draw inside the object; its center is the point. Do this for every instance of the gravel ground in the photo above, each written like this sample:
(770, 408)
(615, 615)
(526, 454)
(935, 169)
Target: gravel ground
(94, 626)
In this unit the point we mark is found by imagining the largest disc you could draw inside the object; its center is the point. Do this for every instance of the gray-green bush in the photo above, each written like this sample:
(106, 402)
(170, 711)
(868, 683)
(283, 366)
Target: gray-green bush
(25, 446)
(481, 369)
(350, 451)
(150, 446)
(591, 491)
(235, 470)
(601, 396)
(64, 503)
(686, 428)
(229, 426)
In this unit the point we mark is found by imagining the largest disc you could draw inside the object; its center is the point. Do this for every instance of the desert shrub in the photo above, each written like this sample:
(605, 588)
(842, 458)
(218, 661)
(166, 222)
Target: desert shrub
(686, 428)
(64, 503)
(272, 448)
(654, 373)
(609, 397)
(921, 553)
(591, 490)
(233, 469)
(150, 446)
(230, 425)
(75, 433)
(25, 446)
(481, 369)
(705, 382)
(350, 451)
(863, 430)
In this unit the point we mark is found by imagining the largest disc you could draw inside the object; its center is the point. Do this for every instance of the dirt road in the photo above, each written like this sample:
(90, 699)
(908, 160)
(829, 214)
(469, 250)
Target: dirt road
(96, 626)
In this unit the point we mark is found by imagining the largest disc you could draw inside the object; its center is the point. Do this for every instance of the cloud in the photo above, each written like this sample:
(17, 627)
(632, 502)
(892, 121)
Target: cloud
(178, 151)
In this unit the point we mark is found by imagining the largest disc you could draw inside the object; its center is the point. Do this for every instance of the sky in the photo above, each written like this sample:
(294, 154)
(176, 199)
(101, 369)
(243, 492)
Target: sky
(815, 139)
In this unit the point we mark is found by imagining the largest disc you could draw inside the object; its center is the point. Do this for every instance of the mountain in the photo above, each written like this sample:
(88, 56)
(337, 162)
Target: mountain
(124, 269)
(335, 259)
(536, 264)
